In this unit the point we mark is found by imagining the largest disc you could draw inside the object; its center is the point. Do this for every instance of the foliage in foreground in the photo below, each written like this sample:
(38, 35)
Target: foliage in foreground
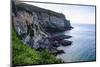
(22, 54)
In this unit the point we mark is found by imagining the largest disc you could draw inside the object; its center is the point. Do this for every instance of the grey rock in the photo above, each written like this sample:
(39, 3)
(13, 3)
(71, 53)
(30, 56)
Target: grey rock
(35, 26)
(50, 20)
(65, 42)
(55, 44)
(60, 37)
(60, 51)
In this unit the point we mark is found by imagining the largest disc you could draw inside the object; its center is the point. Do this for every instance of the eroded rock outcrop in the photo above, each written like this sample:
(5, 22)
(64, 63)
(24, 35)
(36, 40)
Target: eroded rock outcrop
(35, 26)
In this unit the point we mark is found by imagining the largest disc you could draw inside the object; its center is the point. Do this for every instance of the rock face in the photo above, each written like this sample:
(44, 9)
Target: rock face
(35, 25)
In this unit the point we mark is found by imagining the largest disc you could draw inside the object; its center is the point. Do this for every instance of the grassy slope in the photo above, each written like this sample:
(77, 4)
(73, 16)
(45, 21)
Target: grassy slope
(22, 54)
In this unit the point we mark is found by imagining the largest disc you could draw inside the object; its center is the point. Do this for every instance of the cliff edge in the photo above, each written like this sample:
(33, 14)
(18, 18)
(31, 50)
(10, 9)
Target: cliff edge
(37, 27)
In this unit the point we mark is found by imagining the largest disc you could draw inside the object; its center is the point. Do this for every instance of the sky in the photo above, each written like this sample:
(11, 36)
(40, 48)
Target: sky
(74, 13)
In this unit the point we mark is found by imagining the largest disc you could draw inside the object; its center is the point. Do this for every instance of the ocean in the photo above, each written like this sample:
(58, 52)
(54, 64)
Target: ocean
(83, 46)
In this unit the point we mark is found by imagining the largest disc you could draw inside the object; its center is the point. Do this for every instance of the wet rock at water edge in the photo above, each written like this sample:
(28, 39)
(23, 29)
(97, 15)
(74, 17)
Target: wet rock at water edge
(60, 37)
(60, 51)
(65, 42)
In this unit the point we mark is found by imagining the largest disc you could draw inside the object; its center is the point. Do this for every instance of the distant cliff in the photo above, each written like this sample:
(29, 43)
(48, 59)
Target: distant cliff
(37, 26)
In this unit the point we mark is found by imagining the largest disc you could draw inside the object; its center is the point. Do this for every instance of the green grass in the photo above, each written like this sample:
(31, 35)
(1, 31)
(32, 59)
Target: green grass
(22, 54)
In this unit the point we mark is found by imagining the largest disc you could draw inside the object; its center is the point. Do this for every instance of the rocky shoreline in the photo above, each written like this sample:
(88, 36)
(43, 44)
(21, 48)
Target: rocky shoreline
(39, 28)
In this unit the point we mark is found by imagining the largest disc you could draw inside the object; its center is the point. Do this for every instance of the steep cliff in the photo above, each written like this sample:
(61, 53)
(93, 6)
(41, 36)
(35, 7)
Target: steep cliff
(37, 26)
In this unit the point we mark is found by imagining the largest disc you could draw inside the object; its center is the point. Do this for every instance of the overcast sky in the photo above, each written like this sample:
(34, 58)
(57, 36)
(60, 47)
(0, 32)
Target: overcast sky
(74, 13)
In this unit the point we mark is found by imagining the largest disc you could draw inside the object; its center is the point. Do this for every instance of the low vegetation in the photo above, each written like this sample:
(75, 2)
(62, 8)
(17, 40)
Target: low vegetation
(22, 54)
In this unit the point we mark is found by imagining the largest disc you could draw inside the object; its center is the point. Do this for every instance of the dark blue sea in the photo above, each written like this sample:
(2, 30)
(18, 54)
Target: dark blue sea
(83, 44)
